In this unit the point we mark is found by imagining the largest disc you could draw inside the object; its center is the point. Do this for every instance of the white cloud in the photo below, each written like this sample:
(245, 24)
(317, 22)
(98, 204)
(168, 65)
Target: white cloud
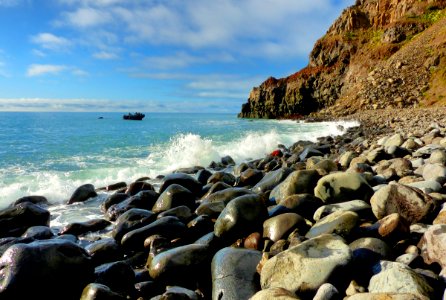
(78, 72)
(38, 52)
(85, 17)
(104, 55)
(39, 70)
(50, 41)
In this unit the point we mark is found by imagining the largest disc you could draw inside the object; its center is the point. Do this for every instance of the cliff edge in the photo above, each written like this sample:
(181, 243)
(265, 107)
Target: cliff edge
(377, 54)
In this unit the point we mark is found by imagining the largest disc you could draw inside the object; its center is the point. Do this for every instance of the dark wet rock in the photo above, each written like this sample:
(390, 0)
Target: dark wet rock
(14, 221)
(276, 210)
(241, 216)
(200, 226)
(175, 266)
(184, 180)
(234, 273)
(189, 170)
(49, 269)
(408, 202)
(170, 227)
(38, 200)
(148, 289)
(138, 186)
(144, 200)
(181, 212)
(85, 227)
(113, 199)
(38, 233)
(298, 182)
(221, 176)
(227, 161)
(363, 209)
(303, 204)
(96, 291)
(250, 177)
(104, 251)
(116, 186)
(339, 222)
(340, 187)
(212, 209)
(227, 195)
(130, 220)
(295, 267)
(278, 227)
(308, 152)
(271, 180)
(393, 277)
(174, 195)
(203, 176)
(216, 187)
(177, 292)
(83, 193)
(7, 242)
(117, 275)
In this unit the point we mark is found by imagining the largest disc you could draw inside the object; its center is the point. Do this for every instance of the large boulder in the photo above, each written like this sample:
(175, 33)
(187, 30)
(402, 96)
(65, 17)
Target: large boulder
(433, 246)
(80, 228)
(96, 291)
(409, 202)
(174, 195)
(144, 200)
(339, 222)
(298, 182)
(394, 277)
(234, 273)
(175, 266)
(184, 180)
(241, 216)
(50, 269)
(271, 179)
(132, 219)
(118, 275)
(83, 193)
(305, 267)
(14, 221)
(169, 227)
(278, 227)
(343, 186)
(362, 208)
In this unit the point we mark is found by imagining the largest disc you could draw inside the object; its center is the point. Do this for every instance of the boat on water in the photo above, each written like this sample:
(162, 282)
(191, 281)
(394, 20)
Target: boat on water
(134, 116)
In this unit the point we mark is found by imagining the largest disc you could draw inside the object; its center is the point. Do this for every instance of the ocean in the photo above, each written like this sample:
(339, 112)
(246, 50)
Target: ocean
(51, 154)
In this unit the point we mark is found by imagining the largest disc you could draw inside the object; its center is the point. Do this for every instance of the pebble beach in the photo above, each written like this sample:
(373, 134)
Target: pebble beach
(356, 216)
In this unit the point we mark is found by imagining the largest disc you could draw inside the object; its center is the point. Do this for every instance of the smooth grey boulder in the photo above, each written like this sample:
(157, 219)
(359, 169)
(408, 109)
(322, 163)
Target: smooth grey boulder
(221, 176)
(409, 202)
(169, 227)
(234, 273)
(48, 269)
(184, 180)
(96, 291)
(298, 182)
(174, 195)
(118, 275)
(438, 157)
(83, 193)
(341, 187)
(271, 179)
(326, 291)
(38, 233)
(241, 216)
(362, 208)
(175, 266)
(340, 222)
(428, 186)
(38, 200)
(305, 267)
(302, 204)
(346, 158)
(278, 227)
(435, 172)
(393, 277)
(395, 140)
(130, 220)
(14, 221)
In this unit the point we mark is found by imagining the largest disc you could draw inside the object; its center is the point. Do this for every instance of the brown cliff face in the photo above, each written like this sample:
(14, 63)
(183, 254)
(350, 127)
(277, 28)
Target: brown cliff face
(378, 53)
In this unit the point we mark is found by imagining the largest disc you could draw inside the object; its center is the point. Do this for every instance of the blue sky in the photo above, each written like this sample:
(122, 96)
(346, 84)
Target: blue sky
(151, 55)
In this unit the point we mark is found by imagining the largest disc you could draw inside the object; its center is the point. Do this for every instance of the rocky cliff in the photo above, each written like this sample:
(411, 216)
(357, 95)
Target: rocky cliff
(377, 54)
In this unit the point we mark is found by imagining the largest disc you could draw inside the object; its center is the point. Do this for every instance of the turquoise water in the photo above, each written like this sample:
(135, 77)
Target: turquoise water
(51, 154)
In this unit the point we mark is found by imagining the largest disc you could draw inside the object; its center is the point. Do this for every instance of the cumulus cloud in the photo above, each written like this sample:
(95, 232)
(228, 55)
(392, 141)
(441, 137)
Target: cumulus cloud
(104, 55)
(85, 17)
(36, 70)
(50, 41)
(39, 70)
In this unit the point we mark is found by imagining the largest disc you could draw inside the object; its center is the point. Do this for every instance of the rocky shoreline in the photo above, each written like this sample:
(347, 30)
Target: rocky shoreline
(357, 216)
